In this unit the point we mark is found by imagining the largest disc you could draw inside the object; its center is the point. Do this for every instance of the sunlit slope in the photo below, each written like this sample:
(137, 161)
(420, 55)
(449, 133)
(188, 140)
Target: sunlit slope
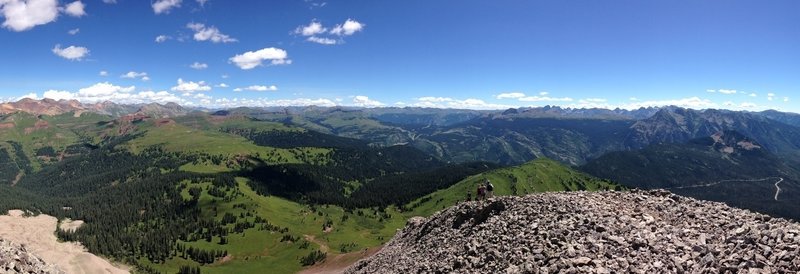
(539, 175)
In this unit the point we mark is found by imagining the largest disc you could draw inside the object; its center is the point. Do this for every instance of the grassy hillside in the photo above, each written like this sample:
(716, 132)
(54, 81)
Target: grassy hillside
(540, 175)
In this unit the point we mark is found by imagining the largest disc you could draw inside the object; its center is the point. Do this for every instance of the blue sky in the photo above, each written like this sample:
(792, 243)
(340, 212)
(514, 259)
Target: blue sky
(464, 54)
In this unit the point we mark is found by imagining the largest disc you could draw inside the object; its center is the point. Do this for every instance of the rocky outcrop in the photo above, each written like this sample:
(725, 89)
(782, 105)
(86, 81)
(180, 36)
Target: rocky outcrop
(15, 258)
(591, 232)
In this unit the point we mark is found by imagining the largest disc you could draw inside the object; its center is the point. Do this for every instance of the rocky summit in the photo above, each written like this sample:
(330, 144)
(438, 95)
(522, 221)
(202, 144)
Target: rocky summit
(15, 258)
(591, 232)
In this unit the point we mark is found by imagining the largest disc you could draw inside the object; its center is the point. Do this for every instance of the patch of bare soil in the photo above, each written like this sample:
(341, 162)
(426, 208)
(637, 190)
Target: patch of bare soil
(335, 264)
(36, 233)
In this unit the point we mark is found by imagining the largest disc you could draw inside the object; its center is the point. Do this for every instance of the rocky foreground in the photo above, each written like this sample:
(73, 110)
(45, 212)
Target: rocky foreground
(591, 232)
(15, 258)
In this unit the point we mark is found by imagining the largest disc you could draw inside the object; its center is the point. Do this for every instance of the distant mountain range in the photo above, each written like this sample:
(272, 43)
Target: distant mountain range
(726, 166)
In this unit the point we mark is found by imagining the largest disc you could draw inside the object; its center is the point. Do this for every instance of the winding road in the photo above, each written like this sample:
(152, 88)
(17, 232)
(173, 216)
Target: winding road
(777, 188)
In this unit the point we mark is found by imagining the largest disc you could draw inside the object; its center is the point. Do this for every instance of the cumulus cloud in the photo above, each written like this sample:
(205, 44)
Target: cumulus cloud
(31, 95)
(203, 33)
(258, 88)
(189, 86)
(786, 99)
(510, 95)
(162, 38)
(323, 41)
(633, 99)
(222, 85)
(103, 73)
(72, 53)
(73, 31)
(317, 33)
(134, 75)
(313, 28)
(263, 102)
(252, 59)
(524, 98)
(770, 96)
(75, 9)
(447, 102)
(104, 89)
(545, 99)
(22, 15)
(711, 90)
(164, 6)
(110, 1)
(753, 95)
(198, 65)
(727, 91)
(108, 92)
(349, 27)
(364, 101)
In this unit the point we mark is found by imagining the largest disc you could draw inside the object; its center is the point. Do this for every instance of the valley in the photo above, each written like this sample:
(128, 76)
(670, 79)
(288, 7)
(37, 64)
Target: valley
(242, 190)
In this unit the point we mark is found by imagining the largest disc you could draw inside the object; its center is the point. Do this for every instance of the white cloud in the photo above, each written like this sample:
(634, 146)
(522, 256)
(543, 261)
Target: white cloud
(322, 40)
(543, 93)
(189, 86)
(198, 66)
(446, 102)
(770, 96)
(263, 102)
(162, 38)
(224, 76)
(102, 90)
(633, 99)
(348, 28)
(103, 73)
(711, 90)
(510, 95)
(252, 59)
(786, 99)
(58, 95)
(753, 95)
(73, 31)
(71, 52)
(313, 28)
(134, 75)
(727, 91)
(22, 15)
(222, 85)
(108, 92)
(110, 1)
(163, 6)
(75, 9)
(31, 95)
(545, 99)
(258, 88)
(203, 33)
(364, 101)
(202, 2)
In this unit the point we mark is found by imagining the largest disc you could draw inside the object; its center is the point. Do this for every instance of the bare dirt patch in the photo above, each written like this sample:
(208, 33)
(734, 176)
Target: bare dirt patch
(335, 264)
(70, 225)
(37, 234)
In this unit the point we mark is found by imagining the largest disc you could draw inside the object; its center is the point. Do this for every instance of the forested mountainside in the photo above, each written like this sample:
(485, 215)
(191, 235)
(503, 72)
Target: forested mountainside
(244, 189)
(726, 167)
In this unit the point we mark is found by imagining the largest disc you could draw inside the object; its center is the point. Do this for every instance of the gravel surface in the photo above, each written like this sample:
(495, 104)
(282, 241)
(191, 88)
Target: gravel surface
(15, 258)
(591, 232)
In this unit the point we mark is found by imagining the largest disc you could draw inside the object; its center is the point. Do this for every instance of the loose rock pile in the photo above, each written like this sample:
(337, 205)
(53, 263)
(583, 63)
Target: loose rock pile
(15, 258)
(591, 232)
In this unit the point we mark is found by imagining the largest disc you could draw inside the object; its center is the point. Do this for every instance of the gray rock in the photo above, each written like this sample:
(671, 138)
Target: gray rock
(591, 232)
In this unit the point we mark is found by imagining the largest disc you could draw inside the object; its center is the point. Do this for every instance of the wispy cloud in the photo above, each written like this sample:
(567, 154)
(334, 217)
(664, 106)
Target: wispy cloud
(73, 53)
(210, 33)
